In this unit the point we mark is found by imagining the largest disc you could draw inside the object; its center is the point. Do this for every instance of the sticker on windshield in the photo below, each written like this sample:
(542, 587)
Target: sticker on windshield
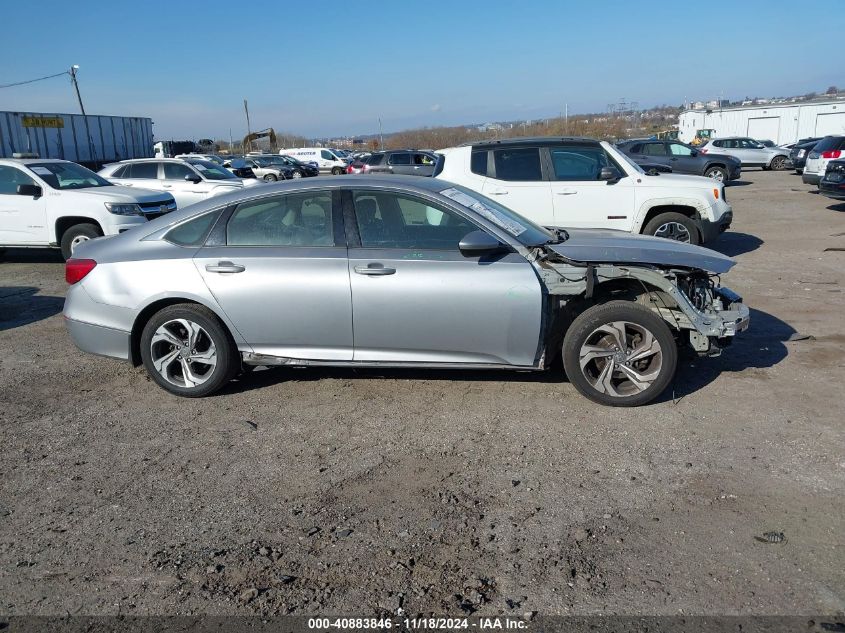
(200, 167)
(494, 215)
(42, 171)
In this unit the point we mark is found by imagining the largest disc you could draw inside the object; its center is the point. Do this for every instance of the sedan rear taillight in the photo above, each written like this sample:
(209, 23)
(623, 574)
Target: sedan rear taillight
(832, 153)
(76, 269)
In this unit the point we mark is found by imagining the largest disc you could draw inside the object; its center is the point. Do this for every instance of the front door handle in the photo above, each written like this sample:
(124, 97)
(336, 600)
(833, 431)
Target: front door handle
(374, 269)
(569, 191)
(167, 186)
(225, 267)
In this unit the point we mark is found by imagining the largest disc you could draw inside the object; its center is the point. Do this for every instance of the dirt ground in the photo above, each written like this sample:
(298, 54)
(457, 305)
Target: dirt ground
(364, 492)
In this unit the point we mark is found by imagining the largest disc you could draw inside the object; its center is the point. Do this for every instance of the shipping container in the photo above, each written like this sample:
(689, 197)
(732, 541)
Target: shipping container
(91, 140)
(781, 123)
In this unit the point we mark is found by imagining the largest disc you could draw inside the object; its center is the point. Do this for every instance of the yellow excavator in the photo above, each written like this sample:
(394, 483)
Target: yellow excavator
(268, 133)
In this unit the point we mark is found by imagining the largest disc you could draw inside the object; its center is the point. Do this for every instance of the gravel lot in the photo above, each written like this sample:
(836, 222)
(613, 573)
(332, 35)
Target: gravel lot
(362, 492)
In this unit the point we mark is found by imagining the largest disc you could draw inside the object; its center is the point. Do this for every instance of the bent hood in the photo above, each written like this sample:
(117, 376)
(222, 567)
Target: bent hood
(618, 247)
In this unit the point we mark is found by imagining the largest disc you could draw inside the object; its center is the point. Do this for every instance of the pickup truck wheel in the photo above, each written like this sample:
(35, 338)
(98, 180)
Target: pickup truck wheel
(270, 178)
(673, 226)
(187, 351)
(76, 235)
(718, 174)
(777, 163)
(619, 354)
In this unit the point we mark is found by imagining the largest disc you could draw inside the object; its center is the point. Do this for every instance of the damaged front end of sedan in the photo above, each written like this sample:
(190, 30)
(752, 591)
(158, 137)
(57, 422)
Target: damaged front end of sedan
(678, 281)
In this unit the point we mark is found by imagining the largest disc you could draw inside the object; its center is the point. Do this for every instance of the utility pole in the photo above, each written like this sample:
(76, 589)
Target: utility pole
(72, 73)
(231, 145)
(248, 130)
(566, 118)
(380, 135)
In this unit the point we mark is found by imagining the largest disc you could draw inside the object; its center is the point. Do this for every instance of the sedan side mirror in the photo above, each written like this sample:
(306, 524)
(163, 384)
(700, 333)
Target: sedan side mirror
(610, 174)
(33, 191)
(480, 243)
(192, 178)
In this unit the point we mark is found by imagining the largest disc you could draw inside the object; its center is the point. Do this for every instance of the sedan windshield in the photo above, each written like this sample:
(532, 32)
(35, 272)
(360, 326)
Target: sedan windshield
(211, 171)
(523, 229)
(68, 176)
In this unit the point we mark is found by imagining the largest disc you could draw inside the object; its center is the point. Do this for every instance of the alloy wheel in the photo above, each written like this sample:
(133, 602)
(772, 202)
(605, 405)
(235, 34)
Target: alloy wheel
(716, 174)
(673, 231)
(621, 358)
(183, 353)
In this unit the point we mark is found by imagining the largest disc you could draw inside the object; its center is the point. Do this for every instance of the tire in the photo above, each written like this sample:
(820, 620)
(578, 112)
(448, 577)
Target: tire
(777, 163)
(296, 174)
(76, 235)
(684, 229)
(336, 171)
(270, 178)
(159, 341)
(719, 174)
(591, 337)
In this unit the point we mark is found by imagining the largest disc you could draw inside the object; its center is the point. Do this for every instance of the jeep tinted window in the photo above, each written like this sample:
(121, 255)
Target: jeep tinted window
(579, 162)
(478, 163)
(518, 164)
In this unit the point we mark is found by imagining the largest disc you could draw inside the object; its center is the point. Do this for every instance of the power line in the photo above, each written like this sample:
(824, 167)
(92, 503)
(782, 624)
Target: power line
(32, 81)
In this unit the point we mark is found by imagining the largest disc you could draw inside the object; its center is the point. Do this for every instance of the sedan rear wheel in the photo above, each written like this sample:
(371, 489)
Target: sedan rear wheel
(619, 354)
(187, 351)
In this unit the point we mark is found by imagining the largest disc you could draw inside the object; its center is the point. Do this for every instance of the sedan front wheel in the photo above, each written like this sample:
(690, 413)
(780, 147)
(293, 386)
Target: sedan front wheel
(187, 351)
(619, 354)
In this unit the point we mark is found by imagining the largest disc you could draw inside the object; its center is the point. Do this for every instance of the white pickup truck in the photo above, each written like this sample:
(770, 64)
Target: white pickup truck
(59, 204)
(583, 183)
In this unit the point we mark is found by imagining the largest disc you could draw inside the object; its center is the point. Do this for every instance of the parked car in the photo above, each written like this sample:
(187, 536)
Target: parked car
(584, 183)
(748, 151)
(683, 158)
(212, 158)
(59, 204)
(832, 184)
(268, 170)
(297, 168)
(828, 149)
(238, 166)
(798, 154)
(653, 169)
(326, 160)
(394, 271)
(189, 180)
(404, 162)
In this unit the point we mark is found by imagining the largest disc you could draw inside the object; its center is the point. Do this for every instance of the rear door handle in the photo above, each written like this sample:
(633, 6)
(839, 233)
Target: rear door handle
(167, 186)
(225, 267)
(374, 269)
(569, 191)
(498, 192)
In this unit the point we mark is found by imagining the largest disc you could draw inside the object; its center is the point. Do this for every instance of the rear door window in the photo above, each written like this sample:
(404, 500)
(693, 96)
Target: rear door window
(292, 220)
(654, 149)
(518, 164)
(145, 171)
(399, 159)
(478, 163)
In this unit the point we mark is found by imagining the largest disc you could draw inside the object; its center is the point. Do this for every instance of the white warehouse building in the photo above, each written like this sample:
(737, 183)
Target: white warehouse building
(781, 123)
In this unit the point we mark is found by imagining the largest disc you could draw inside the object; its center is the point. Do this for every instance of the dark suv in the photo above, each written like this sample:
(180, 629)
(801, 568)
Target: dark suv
(682, 158)
(798, 154)
(405, 161)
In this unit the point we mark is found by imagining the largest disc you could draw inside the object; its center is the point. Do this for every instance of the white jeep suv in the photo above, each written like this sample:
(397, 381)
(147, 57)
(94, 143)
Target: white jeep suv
(584, 183)
(57, 203)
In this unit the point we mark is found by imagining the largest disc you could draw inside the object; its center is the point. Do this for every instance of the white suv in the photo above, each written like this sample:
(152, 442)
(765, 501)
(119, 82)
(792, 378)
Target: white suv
(584, 183)
(190, 180)
(57, 203)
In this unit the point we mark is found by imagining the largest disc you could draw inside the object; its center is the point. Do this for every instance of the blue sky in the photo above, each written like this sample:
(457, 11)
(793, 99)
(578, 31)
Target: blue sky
(328, 68)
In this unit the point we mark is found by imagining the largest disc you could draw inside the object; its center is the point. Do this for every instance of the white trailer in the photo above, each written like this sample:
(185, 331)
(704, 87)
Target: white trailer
(781, 123)
(91, 140)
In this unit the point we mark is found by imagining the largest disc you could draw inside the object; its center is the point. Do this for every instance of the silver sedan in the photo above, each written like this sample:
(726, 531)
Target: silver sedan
(393, 271)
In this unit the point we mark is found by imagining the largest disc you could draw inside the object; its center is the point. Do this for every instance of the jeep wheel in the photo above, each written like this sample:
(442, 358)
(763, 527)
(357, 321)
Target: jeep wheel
(718, 174)
(673, 226)
(187, 351)
(76, 235)
(619, 354)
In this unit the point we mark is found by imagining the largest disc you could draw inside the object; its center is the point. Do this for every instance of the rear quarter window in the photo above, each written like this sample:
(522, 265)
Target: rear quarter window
(193, 232)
